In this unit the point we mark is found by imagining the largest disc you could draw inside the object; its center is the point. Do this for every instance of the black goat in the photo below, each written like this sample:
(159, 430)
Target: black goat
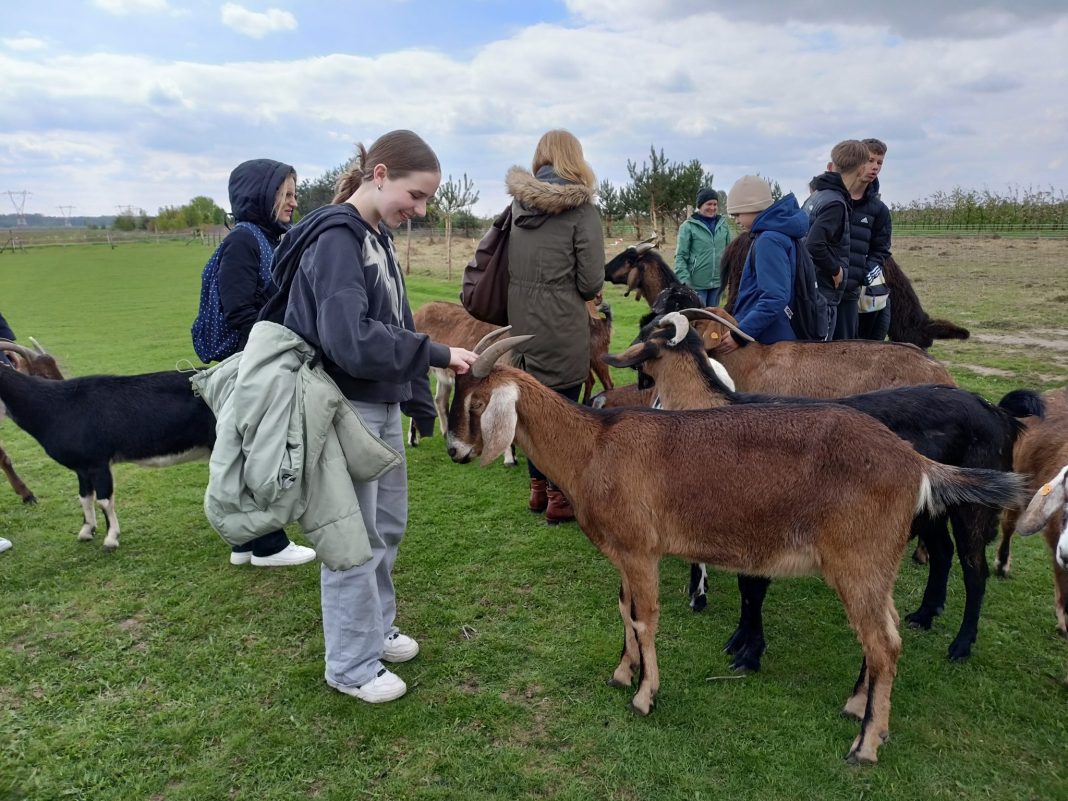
(88, 423)
(945, 424)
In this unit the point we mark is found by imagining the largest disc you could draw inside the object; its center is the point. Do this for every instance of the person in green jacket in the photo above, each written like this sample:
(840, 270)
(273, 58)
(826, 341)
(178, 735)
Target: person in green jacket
(702, 239)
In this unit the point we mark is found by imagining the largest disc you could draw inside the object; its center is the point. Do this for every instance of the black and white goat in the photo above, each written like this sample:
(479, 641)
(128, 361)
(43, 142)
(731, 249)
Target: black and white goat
(87, 424)
(945, 424)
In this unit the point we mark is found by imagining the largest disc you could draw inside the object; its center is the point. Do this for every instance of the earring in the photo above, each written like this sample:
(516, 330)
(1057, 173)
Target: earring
(379, 187)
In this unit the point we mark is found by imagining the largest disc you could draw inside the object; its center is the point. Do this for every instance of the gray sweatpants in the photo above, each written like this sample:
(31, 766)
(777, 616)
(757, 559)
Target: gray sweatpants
(359, 604)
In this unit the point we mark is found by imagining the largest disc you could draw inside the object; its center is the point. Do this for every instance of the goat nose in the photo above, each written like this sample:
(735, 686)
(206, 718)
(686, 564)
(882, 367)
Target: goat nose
(452, 451)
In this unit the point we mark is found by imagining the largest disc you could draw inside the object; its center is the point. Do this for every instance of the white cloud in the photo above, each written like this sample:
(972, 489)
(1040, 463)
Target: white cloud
(24, 43)
(738, 95)
(123, 7)
(257, 24)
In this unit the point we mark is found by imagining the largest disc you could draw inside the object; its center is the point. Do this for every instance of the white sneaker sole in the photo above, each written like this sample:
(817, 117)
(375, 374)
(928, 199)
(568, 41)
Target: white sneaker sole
(397, 656)
(375, 699)
(240, 557)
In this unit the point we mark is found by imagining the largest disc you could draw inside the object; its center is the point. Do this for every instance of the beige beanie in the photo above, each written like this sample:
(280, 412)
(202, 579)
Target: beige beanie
(749, 193)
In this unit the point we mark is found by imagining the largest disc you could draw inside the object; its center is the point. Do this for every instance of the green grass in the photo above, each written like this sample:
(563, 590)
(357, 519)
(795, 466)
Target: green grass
(160, 672)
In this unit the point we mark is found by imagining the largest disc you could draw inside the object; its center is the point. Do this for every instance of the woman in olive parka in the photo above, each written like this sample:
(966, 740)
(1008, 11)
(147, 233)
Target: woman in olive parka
(555, 264)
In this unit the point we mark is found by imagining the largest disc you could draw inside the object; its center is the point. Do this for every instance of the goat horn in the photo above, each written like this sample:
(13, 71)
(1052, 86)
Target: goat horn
(21, 350)
(485, 361)
(37, 346)
(681, 323)
(644, 247)
(707, 315)
(492, 335)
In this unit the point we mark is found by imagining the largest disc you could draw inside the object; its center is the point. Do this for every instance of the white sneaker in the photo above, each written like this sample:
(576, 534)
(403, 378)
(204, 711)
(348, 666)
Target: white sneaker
(399, 648)
(4, 544)
(386, 686)
(292, 554)
(240, 557)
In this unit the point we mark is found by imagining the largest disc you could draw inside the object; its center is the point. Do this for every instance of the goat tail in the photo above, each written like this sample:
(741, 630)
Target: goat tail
(1023, 403)
(944, 486)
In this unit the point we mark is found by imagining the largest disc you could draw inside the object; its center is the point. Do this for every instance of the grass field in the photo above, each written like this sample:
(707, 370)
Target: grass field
(161, 672)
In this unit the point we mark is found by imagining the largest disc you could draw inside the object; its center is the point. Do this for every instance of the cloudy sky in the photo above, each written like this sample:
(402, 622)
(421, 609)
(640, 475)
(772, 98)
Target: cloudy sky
(147, 103)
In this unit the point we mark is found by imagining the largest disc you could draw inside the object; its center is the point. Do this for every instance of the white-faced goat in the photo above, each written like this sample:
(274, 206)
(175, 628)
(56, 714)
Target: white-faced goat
(1041, 454)
(88, 423)
(450, 324)
(30, 362)
(638, 482)
(945, 424)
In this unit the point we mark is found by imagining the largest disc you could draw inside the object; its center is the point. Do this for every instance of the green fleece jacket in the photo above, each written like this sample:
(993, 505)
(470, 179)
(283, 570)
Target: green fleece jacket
(698, 252)
(288, 447)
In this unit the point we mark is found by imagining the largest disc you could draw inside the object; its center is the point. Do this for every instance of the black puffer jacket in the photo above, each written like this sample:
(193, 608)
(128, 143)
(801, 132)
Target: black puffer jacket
(253, 187)
(869, 236)
(828, 209)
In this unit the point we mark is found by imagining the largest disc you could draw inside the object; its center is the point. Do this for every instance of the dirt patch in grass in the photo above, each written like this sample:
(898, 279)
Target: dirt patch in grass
(1046, 338)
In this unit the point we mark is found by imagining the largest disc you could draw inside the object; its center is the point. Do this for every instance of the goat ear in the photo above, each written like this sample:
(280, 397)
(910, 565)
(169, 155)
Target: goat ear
(498, 422)
(632, 356)
(1047, 501)
(633, 277)
(711, 332)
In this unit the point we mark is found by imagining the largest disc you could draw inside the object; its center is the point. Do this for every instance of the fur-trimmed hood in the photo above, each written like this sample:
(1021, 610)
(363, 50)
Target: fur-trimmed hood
(539, 197)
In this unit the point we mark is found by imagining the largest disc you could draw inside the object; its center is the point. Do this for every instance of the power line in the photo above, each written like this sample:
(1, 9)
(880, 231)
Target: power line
(66, 210)
(20, 204)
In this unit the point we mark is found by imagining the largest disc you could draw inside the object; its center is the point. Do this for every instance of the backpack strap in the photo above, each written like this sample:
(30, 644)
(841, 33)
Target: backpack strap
(266, 251)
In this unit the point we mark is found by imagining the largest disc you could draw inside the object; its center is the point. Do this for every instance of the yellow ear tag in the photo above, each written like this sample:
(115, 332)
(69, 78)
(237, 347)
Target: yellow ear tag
(1046, 489)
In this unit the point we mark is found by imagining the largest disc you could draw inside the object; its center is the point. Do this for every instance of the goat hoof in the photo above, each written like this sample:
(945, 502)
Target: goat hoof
(85, 536)
(30, 499)
(919, 620)
(614, 682)
(746, 663)
(958, 652)
(698, 603)
(637, 710)
(856, 758)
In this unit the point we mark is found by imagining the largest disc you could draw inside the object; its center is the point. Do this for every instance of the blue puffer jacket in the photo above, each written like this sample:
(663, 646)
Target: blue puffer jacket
(767, 285)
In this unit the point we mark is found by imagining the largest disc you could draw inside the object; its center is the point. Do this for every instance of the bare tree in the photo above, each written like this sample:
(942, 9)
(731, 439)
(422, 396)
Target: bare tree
(451, 198)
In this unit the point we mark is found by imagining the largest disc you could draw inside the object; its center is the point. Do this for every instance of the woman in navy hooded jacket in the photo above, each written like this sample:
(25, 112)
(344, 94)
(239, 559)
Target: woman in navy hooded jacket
(263, 192)
(766, 285)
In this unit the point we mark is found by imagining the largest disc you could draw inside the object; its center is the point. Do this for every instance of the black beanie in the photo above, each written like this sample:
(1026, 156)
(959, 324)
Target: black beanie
(705, 195)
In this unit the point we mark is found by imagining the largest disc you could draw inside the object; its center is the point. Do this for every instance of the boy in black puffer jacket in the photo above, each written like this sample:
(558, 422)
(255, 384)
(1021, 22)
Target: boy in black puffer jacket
(829, 208)
(870, 231)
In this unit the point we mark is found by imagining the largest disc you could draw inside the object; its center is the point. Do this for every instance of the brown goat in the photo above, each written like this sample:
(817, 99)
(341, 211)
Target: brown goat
(821, 369)
(643, 270)
(449, 324)
(638, 495)
(1040, 453)
(600, 339)
(31, 362)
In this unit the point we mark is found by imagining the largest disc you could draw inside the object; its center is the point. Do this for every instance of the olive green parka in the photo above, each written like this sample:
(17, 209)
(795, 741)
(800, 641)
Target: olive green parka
(555, 264)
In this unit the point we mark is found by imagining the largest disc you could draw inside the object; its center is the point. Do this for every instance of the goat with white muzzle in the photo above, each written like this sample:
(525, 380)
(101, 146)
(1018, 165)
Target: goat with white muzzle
(638, 496)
